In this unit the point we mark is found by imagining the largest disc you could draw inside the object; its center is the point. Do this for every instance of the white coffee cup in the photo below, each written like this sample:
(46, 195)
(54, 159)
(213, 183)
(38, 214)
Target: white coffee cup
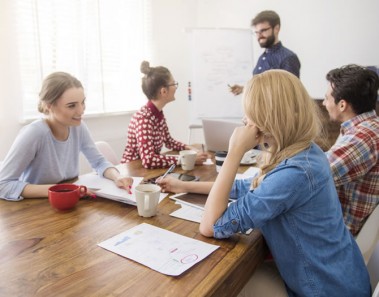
(147, 198)
(188, 159)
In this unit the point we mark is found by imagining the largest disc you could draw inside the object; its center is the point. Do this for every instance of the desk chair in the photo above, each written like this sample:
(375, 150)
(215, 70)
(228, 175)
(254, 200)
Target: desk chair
(369, 234)
(192, 127)
(107, 152)
(373, 270)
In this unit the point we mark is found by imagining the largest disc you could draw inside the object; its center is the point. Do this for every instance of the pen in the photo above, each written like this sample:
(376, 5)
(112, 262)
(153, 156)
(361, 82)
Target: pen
(172, 167)
(202, 147)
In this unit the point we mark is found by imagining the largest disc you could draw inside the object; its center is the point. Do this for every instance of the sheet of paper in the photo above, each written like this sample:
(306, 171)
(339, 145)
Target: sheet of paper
(250, 172)
(161, 250)
(193, 214)
(208, 162)
(188, 213)
(192, 205)
(106, 188)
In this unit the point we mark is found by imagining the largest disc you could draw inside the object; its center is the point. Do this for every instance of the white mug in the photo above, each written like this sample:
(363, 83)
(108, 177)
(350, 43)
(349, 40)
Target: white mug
(147, 198)
(187, 159)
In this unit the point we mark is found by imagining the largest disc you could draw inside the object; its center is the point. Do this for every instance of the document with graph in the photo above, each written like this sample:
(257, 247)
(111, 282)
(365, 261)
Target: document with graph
(159, 249)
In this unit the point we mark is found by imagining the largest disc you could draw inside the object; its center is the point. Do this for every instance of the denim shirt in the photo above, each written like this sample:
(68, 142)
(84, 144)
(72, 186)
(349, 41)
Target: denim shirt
(298, 212)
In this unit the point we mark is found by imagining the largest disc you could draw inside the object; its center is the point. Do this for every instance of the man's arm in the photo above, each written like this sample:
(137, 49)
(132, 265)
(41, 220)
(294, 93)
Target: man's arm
(292, 64)
(351, 158)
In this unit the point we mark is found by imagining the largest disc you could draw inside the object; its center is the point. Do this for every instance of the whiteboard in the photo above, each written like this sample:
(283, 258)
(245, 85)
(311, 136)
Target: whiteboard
(219, 57)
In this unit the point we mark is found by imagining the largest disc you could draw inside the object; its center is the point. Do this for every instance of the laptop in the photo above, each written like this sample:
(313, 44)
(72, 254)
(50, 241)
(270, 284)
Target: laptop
(217, 133)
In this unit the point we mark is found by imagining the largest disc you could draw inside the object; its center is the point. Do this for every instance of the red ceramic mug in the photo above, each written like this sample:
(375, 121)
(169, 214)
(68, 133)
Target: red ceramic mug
(65, 196)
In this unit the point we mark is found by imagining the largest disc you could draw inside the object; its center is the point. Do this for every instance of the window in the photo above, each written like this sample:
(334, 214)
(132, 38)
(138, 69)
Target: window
(101, 42)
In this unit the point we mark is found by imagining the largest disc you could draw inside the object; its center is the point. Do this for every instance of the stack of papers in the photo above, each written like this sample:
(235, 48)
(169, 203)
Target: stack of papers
(164, 251)
(106, 188)
(188, 213)
(192, 205)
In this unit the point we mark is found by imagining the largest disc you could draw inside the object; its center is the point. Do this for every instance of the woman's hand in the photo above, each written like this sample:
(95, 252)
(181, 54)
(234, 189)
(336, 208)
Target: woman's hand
(121, 181)
(201, 158)
(171, 184)
(124, 182)
(244, 138)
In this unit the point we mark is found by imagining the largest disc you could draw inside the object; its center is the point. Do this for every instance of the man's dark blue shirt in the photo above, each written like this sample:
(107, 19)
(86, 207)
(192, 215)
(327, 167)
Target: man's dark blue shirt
(278, 57)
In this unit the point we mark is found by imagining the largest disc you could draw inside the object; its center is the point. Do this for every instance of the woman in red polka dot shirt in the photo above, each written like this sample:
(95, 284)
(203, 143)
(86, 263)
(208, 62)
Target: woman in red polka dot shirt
(148, 131)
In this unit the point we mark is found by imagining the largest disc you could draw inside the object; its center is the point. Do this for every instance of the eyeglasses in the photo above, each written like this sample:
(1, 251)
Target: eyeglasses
(260, 32)
(175, 83)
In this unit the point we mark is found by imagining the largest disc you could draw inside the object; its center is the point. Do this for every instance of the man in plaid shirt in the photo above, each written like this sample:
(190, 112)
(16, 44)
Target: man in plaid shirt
(354, 158)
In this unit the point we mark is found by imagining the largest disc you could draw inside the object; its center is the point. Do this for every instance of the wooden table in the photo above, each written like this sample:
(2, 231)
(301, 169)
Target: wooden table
(44, 252)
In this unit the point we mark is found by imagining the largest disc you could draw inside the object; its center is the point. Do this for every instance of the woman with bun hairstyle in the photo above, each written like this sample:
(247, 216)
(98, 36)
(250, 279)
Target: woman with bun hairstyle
(148, 131)
(46, 151)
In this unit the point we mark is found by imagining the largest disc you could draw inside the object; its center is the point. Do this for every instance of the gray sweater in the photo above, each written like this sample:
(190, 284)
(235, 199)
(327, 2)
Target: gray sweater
(36, 157)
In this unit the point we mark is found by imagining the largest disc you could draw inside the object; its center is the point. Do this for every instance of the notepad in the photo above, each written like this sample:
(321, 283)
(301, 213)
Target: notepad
(106, 188)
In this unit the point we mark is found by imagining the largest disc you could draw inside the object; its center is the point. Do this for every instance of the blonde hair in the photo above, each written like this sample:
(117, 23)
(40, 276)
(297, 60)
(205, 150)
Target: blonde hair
(279, 105)
(53, 87)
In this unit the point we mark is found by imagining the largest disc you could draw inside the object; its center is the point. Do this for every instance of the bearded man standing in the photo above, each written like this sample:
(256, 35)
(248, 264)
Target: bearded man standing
(266, 27)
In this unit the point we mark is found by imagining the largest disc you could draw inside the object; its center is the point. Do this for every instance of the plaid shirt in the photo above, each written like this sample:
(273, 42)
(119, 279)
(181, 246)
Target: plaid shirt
(354, 160)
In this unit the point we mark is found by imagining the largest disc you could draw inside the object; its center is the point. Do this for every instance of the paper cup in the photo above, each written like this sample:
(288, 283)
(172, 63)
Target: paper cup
(220, 158)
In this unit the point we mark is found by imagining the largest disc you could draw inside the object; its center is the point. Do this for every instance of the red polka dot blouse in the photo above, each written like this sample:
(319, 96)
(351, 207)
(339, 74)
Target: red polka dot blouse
(147, 133)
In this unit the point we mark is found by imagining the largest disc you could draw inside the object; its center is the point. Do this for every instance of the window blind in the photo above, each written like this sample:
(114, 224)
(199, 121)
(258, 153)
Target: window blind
(101, 42)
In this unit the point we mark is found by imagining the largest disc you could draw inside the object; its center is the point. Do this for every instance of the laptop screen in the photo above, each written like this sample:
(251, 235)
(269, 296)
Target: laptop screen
(217, 133)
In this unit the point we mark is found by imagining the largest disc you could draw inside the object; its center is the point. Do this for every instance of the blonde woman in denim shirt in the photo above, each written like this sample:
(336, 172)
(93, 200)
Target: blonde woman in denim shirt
(292, 201)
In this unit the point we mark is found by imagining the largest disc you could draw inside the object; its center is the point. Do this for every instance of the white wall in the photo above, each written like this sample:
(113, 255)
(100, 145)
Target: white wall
(324, 33)
(9, 93)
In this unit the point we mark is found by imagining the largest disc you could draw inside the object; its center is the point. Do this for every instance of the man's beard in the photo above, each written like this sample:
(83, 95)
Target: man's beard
(269, 42)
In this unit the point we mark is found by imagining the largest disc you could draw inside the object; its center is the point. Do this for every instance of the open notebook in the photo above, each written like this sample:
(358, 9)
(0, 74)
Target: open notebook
(106, 188)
